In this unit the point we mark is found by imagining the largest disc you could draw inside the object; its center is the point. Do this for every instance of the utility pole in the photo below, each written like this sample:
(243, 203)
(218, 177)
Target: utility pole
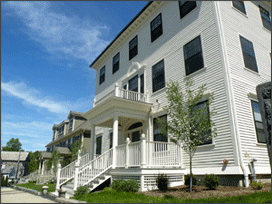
(18, 166)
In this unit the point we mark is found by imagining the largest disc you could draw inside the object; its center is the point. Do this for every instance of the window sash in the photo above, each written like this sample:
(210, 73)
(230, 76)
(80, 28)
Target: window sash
(239, 5)
(142, 83)
(156, 28)
(265, 18)
(260, 133)
(133, 84)
(158, 77)
(102, 75)
(186, 7)
(248, 54)
(158, 136)
(133, 47)
(98, 145)
(115, 63)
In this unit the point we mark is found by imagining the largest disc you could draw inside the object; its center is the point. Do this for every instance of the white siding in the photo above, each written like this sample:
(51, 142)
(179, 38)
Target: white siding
(244, 81)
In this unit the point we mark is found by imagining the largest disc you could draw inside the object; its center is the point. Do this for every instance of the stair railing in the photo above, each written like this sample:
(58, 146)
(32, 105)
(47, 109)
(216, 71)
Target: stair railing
(94, 168)
(68, 172)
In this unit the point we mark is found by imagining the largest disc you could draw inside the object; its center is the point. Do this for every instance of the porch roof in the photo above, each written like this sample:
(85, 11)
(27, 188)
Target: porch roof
(102, 114)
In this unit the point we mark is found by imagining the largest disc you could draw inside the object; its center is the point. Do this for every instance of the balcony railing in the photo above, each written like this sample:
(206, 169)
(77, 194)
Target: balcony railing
(123, 93)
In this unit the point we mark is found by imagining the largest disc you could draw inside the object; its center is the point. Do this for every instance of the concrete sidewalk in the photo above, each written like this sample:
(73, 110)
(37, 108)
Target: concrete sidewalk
(10, 195)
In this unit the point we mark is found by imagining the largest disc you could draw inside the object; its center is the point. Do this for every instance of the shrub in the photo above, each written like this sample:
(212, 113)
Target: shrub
(211, 181)
(106, 189)
(81, 190)
(187, 180)
(31, 182)
(4, 181)
(125, 185)
(256, 186)
(167, 196)
(162, 182)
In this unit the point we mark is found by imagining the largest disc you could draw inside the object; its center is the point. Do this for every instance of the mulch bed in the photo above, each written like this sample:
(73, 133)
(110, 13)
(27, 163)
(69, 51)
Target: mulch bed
(203, 192)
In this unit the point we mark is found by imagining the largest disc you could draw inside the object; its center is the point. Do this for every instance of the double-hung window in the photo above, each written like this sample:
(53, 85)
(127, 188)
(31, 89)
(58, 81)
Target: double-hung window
(133, 47)
(133, 84)
(201, 105)
(158, 78)
(186, 7)
(98, 145)
(115, 63)
(248, 54)
(156, 28)
(70, 127)
(142, 83)
(102, 75)
(193, 56)
(265, 18)
(158, 136)
(239, 5)
(61, 130)
(258, 122)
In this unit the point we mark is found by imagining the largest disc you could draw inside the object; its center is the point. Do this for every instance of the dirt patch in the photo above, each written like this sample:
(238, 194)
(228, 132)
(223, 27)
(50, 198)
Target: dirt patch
(203, 192)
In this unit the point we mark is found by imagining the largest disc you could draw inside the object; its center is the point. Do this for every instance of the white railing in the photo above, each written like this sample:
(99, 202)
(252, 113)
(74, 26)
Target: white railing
(163, 154)
(121, 158)
(68, 172)
(134, 154)
(94, 168)
(132, 95)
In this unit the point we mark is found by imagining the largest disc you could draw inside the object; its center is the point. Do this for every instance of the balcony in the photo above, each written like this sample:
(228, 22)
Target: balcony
(123, 93)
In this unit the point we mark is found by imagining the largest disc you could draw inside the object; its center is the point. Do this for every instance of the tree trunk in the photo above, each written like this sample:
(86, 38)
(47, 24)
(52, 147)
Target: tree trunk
(191, 176)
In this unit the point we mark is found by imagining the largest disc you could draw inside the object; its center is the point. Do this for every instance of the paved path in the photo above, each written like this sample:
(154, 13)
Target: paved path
(10, 195)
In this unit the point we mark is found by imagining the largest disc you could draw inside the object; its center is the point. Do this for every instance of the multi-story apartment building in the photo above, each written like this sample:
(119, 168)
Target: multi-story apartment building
(225, 44)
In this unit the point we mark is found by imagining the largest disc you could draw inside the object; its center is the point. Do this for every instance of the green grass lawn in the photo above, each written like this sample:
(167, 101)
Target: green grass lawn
(124, 197)
(38, 187)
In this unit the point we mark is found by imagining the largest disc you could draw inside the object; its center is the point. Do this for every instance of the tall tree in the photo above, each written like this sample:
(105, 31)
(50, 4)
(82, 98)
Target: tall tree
(34, 161)
(13, 145)
(189, 123)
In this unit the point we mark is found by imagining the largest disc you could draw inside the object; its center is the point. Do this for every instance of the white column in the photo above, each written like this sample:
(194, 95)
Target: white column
(114, 140)
(150, 138)
(43, 163)
(40, 166)
(143, 151)
(94, 101)
(76, 175)
(127, 152)
(58, 177)
(117, 90)
(92, 142)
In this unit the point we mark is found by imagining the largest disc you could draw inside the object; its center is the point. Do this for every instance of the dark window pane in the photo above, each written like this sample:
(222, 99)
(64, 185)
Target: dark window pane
(133, 84)
(158, 76)
(156, 28)
(98, 145)
(239, 5)
(142, 83)
(158, 136)
(248, 54)
(258, 122)
(193, 56)
(135, 125)
(133, 47)
(186, 7)
(265, 18)
(102, 75)
(115, 63)
(135, 136)
(110, 140)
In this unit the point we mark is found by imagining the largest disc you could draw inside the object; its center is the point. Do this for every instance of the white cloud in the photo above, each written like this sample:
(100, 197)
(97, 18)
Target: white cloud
(32, 97)
(59, 33)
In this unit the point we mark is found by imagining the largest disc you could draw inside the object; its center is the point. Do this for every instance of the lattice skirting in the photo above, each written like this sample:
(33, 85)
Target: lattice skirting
(137, 178)
(174, 179)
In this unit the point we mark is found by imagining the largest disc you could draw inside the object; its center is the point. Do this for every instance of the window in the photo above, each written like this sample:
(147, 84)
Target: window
(239, 5)
(111, 140)
(248, 54)
(87, 135)
(70, 124)
(193, 56)
(102, 75)
(142, 83)
(156, 28)
(201, 105)
(133, 47)
(54, 133)
(258, 122)
(61, 130)
(186, 7)
(133, 84)
(158, 76)
(265, 18)
(158, 136)
(115, 63)
(98, 145)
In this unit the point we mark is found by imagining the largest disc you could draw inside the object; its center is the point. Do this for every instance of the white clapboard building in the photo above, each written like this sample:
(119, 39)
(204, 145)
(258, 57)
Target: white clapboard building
(225, 44)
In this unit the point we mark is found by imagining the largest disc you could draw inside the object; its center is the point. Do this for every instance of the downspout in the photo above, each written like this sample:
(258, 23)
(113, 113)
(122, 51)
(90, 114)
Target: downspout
(225, 62)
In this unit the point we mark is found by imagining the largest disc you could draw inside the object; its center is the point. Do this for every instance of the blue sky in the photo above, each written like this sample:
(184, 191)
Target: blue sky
(46, 50)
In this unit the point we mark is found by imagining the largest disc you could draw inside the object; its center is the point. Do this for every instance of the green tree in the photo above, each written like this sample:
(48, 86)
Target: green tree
(13, 145)
(188, 126)
(74, 150)
(34, 161)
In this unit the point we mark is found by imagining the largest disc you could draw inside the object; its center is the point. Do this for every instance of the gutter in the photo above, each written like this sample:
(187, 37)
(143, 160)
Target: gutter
(230, 96)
